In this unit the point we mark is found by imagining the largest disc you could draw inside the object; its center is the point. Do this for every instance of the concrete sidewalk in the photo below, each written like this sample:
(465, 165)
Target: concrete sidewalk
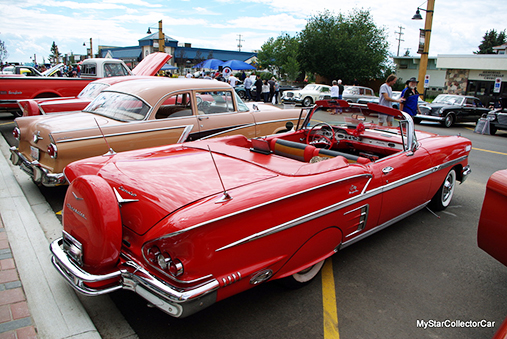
(56, 311)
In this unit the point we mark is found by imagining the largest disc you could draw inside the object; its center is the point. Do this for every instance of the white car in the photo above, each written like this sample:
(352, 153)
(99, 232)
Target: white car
(306, 96)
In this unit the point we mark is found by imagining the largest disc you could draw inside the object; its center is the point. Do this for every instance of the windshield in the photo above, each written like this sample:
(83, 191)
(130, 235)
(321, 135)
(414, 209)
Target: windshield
(356, 121)
(118, 106)
(448, 99)
(92, 90)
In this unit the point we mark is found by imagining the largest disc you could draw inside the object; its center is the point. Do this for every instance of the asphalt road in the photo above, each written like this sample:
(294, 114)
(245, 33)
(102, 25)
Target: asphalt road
(422, 268)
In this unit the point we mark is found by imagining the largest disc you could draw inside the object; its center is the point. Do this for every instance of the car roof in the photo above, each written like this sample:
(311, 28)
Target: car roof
(153, 88)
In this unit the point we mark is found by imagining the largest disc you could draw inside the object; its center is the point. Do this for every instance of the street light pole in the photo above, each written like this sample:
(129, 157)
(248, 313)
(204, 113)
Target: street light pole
(91, 49)
(423, 64)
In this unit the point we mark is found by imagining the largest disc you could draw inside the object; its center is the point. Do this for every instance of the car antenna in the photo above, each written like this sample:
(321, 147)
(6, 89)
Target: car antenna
(111, 151)
(225, 196)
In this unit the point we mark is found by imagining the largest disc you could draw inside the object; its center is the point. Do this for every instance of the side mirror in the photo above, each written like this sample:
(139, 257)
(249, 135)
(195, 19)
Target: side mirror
(289, 125)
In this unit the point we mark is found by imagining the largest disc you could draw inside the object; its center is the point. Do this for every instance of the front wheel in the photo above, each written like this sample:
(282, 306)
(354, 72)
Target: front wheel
(443, 197)
(304, 277)
(449, 120)
(492, 129)
(307, 101)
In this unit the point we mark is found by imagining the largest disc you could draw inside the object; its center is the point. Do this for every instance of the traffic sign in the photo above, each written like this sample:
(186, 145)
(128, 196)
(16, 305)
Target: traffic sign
(426, 81)
(498, 85)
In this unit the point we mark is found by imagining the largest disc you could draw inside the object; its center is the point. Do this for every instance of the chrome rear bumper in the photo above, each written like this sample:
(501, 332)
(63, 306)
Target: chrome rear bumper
(39, 174)
(177, 302)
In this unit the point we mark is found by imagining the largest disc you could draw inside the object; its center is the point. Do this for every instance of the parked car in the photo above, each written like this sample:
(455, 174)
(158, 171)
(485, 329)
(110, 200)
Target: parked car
(188, 225)
(497, 120)
(354, 93)
(306, 96)
(396, 95)
(492, 230)
(15, 87)
(139, 114)
(449, 109)
(148, 67)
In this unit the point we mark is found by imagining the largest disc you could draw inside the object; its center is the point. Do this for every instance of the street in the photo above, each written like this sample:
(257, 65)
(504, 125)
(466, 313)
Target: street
(424, 268)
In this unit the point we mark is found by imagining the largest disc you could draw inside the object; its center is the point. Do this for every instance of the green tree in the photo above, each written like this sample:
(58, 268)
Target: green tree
(280, 54)
(345, 47)
(55, 56)
(490, 40)
(3, 52)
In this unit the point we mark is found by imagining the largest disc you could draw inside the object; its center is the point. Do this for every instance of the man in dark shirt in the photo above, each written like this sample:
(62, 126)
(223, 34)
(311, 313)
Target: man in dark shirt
(258, 88)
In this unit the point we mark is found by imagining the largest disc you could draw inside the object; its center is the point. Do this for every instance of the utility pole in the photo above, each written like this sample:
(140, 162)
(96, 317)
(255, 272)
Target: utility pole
(161, 38)
(400, 33)
(239, 42)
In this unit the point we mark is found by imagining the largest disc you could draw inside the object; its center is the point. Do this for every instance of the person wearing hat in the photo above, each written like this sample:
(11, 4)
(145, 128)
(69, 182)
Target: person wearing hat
(411, 96)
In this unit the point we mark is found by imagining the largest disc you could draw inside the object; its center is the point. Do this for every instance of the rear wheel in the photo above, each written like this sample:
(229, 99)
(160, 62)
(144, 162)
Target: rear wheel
(304, 277)
(443, 197)
(492, 129)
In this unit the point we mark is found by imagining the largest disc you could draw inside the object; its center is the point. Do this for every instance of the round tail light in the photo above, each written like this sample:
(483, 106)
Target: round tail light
(16, 133)
(52, 151)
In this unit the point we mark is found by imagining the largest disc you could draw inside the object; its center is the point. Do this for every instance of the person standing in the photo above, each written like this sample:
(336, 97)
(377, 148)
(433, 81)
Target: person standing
(277, 91)
(411, 96)
(340, 89)
(265, 91)
(271, 84)
(233, 80)
(386, 99)
(189, 75)
(248, 87)
(334, 90)
(258, 88)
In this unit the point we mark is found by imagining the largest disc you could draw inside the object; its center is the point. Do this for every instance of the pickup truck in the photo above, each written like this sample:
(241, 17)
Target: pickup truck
(14, 88)
(30, 71)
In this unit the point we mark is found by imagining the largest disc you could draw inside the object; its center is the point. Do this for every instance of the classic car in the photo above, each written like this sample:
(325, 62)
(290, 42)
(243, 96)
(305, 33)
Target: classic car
(492, 230)
(187, 225)
(498, 118)
(306, 96)
(149, 66)
(449, 109)
(139, 114)
(396, 95)
(15, 87)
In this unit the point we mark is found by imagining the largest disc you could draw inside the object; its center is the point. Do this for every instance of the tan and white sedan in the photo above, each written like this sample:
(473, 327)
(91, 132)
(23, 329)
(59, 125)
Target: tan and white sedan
(139, 114)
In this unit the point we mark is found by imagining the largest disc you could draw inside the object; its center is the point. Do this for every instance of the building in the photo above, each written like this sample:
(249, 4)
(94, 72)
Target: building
(469, 74)
(184, 55)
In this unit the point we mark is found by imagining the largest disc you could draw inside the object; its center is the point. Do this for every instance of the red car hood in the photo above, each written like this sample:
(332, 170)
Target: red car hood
(167, 179)
(151, 64)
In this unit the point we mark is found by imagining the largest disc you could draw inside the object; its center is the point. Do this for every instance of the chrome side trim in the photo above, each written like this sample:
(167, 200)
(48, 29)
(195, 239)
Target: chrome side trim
(384, 225)
(227, 131)
(185, 127)
(263, 204)
(184, 135)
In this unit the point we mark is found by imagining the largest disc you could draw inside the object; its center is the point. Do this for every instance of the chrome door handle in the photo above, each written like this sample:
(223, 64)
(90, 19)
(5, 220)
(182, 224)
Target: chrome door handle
(202, 118)
(387, 169)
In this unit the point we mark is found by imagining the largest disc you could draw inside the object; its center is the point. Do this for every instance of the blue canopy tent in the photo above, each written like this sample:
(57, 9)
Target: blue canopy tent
(168, 67)
(209, 64)
(237, 65)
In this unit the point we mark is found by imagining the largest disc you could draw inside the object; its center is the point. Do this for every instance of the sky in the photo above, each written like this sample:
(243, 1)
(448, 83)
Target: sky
(29, 27)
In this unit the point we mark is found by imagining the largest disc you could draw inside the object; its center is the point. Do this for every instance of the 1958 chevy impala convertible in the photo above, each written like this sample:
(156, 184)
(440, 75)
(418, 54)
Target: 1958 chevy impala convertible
(137, 114)
(187, 225)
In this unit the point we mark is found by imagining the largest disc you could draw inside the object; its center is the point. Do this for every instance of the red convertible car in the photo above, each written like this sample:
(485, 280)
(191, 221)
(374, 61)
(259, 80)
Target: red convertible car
(187, 225)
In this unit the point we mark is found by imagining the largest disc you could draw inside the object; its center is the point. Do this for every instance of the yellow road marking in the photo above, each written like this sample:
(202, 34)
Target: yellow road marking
(470, 128)
(6, 123)
(485, 150)
(329, 302)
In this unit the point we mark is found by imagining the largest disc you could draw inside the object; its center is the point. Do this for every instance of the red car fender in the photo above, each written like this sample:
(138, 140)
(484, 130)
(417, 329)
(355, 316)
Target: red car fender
(29, 107)
(492, 230)
(91, 215)
(321, 246)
